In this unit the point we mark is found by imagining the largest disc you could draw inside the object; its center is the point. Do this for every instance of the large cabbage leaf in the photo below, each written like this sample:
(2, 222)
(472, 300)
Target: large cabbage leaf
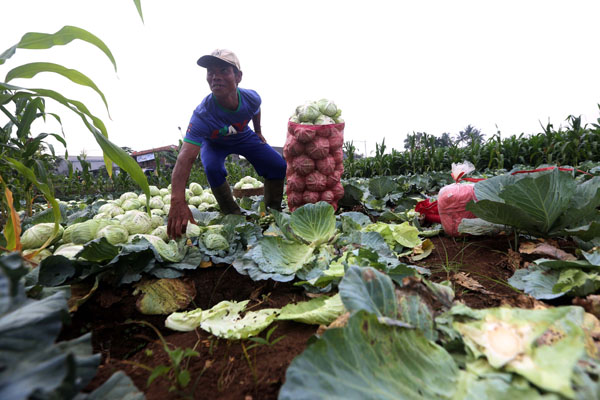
(274, 258)
(321, 310)
(542, 203)
(370, 360)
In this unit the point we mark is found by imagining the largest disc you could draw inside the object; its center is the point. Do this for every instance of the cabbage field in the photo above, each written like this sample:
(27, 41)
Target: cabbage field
(370, 301)
(366, 295)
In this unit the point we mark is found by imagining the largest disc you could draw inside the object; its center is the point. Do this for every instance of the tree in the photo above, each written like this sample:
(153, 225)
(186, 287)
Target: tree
(444, 141)
(469, 136)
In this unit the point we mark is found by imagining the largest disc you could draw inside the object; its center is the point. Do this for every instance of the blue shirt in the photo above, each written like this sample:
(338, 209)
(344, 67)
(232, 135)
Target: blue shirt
(214, 123)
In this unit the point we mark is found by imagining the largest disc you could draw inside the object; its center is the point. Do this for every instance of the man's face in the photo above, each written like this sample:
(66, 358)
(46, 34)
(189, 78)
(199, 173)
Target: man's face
(222, 79)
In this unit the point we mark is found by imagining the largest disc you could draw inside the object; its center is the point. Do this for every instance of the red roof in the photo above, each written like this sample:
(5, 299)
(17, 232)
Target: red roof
(170, 147)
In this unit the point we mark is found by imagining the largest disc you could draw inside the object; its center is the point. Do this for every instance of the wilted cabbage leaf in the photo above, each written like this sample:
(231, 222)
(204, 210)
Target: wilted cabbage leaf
(163, 296)
(321, 310)
(540, 345)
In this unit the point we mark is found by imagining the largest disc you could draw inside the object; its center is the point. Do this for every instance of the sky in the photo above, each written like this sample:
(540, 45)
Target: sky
(394, 67)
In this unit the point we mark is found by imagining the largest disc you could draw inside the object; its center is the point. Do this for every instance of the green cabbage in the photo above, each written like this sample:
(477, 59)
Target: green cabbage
(161, 232)
(196, 188)
(327, 107)
(131, 204)
(215, 241)
(39, 256)
(111, 209)
(68, 250)
(37, 235)
(208, 198)
(156, 202)
(166, 199)
(128, 195)
(115, 234)
(154, 191)
(195, 200)
(83, 232)
(137, 222)
(163, 192)
(308, 112)
(157, 220)
(157, 211)
(168, 251)
(193, 230)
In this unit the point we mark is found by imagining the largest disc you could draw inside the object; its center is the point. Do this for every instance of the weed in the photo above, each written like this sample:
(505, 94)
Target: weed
(177, 370)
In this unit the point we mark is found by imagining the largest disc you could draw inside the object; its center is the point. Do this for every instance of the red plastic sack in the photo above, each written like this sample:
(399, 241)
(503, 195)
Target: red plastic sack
(452, 199)
(312, 153)
(430, 210)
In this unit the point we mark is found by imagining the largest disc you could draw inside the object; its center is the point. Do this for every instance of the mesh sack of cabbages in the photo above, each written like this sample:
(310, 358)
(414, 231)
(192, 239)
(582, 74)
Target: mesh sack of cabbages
(314, 154)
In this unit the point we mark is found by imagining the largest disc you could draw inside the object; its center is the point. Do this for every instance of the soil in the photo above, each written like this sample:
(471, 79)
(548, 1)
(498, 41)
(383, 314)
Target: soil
(477, 267)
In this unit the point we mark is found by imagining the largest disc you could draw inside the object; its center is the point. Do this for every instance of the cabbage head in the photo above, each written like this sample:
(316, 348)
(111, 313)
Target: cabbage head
(39, 256)
(83, 232)
(131, 204)
(68, 250)
(208, 198)
(166, 199)
(193, 230)
(308, 112)
(161, 232)
(154, 190)
(168, 251)
(111, 209)
(327, 107)
(324, 120)
(142, 198)
(115, 234)
(195, 200)
(167, 208)
(163, 192)
(156, 211)
(215, 241)
(37, 235)
(188, 194)
(204, 206)
(157, 220)
(196, 188)
(128, 195)
(247, 186)
(137, 222)
(156, 202)
(102, 216)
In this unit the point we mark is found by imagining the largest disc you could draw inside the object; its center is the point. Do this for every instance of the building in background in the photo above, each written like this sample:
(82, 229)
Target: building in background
(95, 164)
(167, 155)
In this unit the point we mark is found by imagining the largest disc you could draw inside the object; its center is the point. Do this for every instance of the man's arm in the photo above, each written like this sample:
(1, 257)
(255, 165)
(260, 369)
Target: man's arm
(256, 124)
(179, 213)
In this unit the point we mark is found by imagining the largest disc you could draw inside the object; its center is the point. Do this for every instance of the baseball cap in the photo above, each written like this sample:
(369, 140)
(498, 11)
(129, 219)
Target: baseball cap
(220, 54)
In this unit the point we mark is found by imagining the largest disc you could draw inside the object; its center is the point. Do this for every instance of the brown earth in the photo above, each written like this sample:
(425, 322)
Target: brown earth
(477, 267)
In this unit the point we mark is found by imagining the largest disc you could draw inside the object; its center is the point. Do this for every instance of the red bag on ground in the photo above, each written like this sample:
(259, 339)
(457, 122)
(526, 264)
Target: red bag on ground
(452, 199)
(430, 210)
(312, 153)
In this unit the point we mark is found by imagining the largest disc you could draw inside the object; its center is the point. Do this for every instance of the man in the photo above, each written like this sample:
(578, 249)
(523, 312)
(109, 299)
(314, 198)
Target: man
(220, 126)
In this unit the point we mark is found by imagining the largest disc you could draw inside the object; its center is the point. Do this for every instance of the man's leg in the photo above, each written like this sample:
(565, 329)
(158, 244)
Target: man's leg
(213, 160)
(270, 165)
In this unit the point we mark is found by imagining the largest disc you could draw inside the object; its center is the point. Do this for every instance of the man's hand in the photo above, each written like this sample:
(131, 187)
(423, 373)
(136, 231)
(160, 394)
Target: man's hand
(179, 217)
(261, 137)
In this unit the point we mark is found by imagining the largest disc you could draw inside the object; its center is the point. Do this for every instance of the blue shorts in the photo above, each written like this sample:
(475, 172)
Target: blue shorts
(268, 163)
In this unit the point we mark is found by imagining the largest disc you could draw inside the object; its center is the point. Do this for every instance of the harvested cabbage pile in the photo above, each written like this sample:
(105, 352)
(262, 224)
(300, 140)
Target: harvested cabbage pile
(314, 154)
(248, 182)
